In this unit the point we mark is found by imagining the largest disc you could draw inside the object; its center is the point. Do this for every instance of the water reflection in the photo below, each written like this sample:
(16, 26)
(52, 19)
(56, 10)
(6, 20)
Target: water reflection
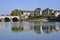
(45, 27)
(29, 30)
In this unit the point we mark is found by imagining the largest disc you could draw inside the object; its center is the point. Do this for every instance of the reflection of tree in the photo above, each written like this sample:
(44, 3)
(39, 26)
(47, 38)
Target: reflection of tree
(17, 29)
(47, 29)
(37, 29)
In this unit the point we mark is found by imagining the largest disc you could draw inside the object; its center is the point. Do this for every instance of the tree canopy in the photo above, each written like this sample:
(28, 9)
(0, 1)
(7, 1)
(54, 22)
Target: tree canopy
(35, 14)
(16, 12)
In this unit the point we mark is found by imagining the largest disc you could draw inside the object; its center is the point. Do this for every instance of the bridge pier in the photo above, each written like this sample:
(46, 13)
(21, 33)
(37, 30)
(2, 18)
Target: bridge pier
(11, 20)
(2, 19)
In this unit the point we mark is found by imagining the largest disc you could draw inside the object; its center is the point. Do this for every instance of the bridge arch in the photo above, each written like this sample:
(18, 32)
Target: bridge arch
(0, 19)
(7, 19)
(15, 19)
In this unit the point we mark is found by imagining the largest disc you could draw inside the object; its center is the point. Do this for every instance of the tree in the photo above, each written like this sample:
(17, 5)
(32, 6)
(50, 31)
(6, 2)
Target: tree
(16, 12)
(35, 14)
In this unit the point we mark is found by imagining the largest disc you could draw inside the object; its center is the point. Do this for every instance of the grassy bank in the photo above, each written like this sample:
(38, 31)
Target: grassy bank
(36, 20)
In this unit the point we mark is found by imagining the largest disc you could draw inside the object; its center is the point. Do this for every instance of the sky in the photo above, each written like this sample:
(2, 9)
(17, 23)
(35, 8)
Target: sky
(6, 6)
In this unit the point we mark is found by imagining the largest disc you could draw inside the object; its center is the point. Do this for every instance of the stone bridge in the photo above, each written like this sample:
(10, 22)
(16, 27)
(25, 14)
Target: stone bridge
(9, 18)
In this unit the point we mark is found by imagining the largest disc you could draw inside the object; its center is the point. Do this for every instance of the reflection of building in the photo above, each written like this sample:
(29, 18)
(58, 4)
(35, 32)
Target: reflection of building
(26, 28)
(57, 27)
(38, 29)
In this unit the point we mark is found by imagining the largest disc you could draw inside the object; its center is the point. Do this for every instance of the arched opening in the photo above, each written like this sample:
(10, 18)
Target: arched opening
(15, 19)
(7, 19)
(0, 20)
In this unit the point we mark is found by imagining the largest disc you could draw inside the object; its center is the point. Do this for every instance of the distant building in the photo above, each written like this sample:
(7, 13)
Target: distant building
(38, 11)
(26, 14)
(57, 13)
(47, 12)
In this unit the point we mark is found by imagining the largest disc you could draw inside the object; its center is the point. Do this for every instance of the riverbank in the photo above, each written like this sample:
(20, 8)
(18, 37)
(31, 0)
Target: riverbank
(37, 20)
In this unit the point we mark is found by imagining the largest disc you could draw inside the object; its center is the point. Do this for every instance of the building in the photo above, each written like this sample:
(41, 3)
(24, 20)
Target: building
(57, 13)
(38, 11)
(26, 14)
(47, 12)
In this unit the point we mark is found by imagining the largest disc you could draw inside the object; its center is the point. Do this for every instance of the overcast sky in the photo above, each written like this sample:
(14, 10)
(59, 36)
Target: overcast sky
(6, 6)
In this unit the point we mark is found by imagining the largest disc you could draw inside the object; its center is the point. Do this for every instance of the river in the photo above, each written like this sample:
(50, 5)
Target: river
(29, 30)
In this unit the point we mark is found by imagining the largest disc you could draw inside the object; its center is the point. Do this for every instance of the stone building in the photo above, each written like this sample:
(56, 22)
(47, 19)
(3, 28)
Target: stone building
(47, 12)
(38, 11)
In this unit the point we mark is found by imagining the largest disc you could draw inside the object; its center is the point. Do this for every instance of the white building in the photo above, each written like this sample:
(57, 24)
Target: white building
(57, 13)
(26, 14)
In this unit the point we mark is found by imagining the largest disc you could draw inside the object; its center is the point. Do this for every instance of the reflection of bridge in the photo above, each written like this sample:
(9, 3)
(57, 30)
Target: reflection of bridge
(9, 18)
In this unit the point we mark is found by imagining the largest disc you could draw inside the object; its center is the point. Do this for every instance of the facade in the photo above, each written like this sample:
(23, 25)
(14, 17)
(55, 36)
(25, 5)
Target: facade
(26, 14)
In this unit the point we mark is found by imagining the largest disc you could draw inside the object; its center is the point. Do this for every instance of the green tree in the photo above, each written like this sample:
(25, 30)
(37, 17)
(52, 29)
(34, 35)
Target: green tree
(35, 14)
(16, 12)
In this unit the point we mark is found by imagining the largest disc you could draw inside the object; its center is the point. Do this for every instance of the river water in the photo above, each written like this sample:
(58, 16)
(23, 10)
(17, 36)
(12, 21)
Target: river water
(29, 30)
